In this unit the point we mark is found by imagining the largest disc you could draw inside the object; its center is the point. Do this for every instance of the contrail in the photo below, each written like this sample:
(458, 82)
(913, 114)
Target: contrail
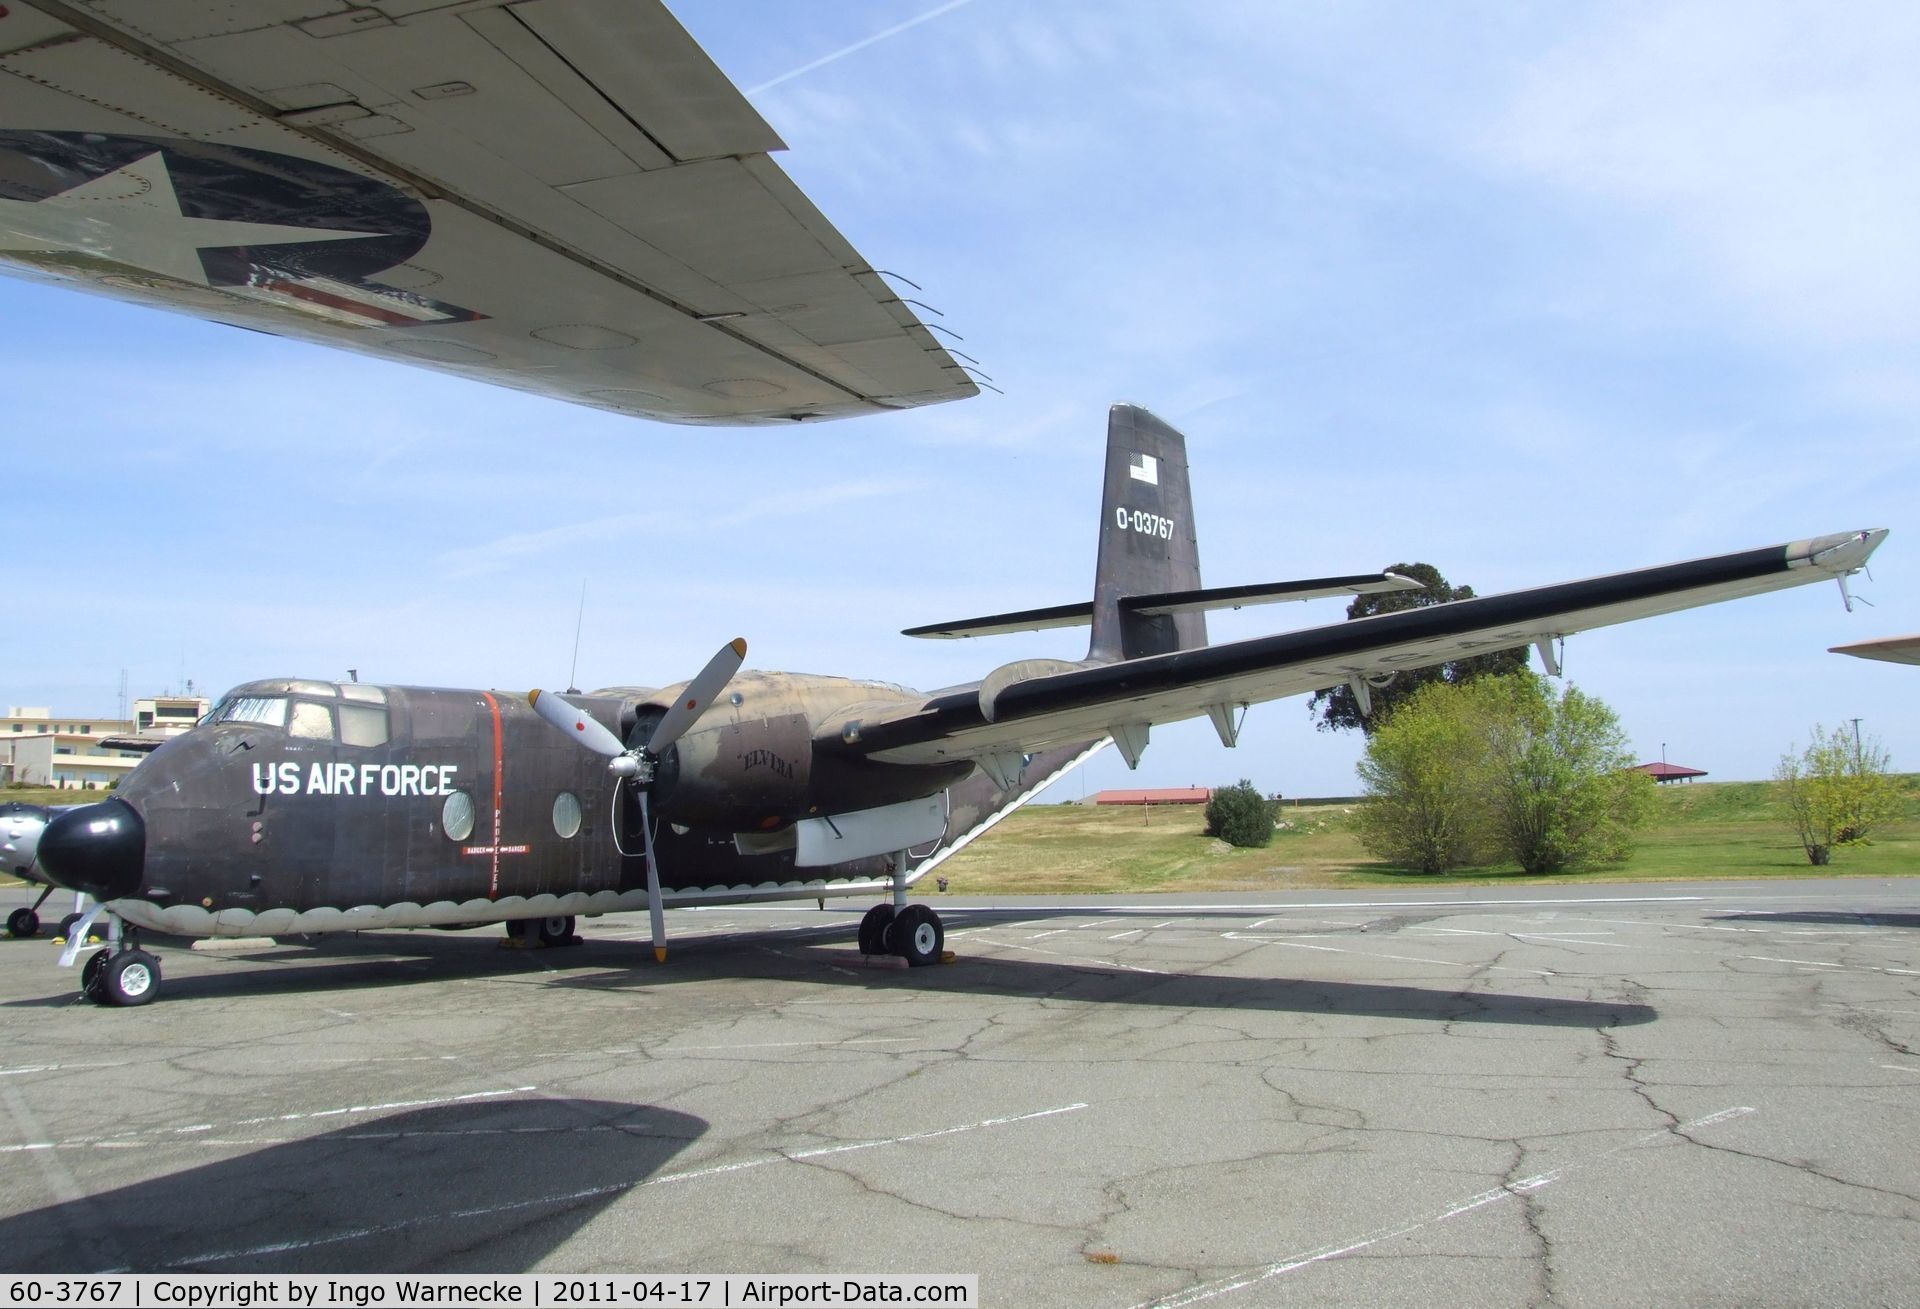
(860, 45)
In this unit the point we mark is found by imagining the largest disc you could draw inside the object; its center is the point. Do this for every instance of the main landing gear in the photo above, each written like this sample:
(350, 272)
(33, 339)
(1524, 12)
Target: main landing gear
(914, 932)
(526, 933)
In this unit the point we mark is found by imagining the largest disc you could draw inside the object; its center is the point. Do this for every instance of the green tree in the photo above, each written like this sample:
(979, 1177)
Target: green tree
(1240, 815)
(1836, 790)
(1559, 787)
(1337, 706)
(1421, 772)
(1501, 768)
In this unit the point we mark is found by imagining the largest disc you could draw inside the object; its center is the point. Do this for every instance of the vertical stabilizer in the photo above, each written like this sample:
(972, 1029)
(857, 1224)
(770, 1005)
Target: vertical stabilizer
(1147, 540)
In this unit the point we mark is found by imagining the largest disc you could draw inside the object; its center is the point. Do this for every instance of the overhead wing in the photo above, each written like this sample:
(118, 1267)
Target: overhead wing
(561, 196)
(1893, 649)
(1003, 718)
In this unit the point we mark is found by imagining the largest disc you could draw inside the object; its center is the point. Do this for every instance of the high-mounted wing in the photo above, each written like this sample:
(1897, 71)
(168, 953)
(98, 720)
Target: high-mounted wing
(1005, 717)
(1892, 649)
(561, 196)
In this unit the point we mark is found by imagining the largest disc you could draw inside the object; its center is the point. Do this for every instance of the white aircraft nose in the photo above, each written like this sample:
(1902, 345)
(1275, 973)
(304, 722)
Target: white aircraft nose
(20, 828)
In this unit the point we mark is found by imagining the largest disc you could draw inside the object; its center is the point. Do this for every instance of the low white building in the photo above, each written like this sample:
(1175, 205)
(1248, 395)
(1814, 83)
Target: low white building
(41, 748)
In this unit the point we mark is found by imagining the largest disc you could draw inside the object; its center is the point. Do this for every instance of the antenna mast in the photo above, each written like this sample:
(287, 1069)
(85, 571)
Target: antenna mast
(573, 687)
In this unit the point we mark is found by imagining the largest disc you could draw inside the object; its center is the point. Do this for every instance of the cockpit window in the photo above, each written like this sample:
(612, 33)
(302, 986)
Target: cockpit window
(312, 721)
(267, 710)
(362, 724)
(361, 692)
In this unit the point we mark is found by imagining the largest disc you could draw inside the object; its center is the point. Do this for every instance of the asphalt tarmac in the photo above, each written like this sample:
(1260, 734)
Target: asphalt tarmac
(1703, 1094)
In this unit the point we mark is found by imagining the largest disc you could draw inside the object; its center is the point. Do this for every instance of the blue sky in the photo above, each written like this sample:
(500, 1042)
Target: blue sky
(1529, 293)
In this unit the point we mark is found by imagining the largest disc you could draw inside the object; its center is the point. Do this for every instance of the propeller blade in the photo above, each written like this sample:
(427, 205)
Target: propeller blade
(700, 692)
(656, 919)
(582, 727)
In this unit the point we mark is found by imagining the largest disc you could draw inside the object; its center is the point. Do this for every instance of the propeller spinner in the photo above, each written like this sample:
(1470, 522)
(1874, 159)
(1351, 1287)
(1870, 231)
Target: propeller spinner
(636, 765)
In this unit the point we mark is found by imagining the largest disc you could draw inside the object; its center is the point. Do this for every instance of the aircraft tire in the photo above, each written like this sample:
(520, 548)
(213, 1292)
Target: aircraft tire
(917, 935)
(557, 930)
(131, 977)
(90, 975)
(67, 924)
(873, 929)
(23, 922)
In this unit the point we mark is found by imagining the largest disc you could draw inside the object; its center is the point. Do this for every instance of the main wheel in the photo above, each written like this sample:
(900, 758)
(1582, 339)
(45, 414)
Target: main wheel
(130, 977)
(557, 930)
(873, 929)
(67, 926)
(23, 922)
(917, 936)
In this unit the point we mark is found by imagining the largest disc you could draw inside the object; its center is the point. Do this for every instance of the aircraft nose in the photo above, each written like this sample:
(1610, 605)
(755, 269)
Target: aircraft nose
(20, 828)
(98, 848)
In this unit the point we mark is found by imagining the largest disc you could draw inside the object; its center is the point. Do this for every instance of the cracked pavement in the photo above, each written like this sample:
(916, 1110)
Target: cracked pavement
(1596, 1094)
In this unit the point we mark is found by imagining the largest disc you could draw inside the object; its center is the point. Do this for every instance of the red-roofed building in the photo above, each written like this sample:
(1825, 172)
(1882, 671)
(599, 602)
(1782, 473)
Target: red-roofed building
(1159, 795)
(1666, 772)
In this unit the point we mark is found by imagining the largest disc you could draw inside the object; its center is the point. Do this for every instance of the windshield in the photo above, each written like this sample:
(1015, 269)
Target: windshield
(269, 710)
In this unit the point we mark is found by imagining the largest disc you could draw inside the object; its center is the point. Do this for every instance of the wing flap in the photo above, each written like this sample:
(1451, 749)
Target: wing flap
(1163, 688)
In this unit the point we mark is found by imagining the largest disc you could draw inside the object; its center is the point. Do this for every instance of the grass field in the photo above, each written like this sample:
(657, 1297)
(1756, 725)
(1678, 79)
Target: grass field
(1722, 829)
(1725, 829)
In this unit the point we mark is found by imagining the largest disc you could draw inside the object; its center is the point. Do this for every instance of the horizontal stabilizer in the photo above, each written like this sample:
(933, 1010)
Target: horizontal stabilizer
(1023, 620)
(1266, 593)
(1170, 602)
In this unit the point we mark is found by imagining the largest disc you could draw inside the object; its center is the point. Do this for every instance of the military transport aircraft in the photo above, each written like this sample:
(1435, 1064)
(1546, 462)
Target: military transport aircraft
(306, 806)
(562, 196)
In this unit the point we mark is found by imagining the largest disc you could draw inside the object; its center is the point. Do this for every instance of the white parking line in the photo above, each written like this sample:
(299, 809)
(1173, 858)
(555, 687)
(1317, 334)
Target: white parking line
(618, 1188)
(1208, 1290)
(1377, 954)
(196, 1128)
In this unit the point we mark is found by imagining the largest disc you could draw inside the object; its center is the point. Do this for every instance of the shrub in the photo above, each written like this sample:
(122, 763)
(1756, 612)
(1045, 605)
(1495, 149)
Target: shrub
(1836, 791)
(1240, 815)
(1501, 768)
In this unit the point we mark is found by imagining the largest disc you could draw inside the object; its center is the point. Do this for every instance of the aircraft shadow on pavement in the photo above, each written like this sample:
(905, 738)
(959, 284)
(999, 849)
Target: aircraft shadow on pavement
(352, 961)
(486, 1186)
(1095, 983)
(1838, 918)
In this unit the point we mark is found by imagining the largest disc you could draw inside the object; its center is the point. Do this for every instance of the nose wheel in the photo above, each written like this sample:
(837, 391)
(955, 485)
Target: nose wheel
(121, 977)
(913, 932)
(24, 922)
(131, 977)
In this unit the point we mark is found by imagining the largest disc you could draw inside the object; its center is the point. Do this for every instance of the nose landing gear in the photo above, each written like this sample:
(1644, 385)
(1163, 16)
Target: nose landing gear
(122, 974)
(125, 977)
(24, 922)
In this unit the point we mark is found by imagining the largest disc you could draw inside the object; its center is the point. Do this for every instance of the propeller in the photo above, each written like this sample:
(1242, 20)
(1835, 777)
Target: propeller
(636, 765)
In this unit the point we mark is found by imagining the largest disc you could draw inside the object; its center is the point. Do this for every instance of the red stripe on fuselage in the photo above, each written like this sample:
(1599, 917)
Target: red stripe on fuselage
(499, 777)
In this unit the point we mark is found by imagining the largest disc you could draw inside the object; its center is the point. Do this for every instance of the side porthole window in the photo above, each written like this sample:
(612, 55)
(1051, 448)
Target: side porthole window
(456, 816)
(566, 814)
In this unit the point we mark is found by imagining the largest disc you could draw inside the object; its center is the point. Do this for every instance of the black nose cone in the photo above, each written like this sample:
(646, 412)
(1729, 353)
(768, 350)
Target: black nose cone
(98, 848)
